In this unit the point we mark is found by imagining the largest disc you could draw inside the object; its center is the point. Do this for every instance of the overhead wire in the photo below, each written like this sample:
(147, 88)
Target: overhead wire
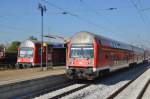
(141, 17)
(77, 16)
(14, 28)
(99, 14)
(96, 12)
(145, 9)
(140, 14)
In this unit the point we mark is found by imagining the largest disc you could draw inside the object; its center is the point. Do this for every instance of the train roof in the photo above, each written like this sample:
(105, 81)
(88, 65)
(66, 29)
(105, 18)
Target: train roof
(33, 43)
(82, 37)
(88, 37)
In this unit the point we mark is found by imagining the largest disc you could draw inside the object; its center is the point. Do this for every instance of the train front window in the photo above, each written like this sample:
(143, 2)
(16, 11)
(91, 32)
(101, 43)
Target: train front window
(26, 52)
(88, 52)
(76, 53)
(82, 53)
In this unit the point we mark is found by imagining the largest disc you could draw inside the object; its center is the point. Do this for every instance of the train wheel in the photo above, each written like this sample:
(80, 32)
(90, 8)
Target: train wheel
(27, 66)
(132, 65)
(145, 62)
(17, 66)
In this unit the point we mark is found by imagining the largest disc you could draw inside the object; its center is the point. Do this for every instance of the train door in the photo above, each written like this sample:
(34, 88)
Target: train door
(38, 58)
(99, 57)
(115, 60)
(39, 55)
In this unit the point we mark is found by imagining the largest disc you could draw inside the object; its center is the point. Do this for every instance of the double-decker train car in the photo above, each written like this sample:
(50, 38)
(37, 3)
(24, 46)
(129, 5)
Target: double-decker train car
(90, 55)
(29, 54)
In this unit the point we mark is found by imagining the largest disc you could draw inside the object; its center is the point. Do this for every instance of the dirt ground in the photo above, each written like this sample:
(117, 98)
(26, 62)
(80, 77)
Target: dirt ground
(12, 76)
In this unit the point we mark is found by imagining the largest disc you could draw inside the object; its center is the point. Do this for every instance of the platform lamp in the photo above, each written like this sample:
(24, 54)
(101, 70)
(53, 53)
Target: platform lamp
(43, 9)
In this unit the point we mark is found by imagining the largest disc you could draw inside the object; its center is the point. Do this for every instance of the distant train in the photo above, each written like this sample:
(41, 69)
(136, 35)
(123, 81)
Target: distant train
(29, 54)
(90, 55)
(7, 59)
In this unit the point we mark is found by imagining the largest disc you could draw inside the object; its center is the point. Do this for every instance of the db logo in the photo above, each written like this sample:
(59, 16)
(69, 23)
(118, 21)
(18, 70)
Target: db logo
(80, 62)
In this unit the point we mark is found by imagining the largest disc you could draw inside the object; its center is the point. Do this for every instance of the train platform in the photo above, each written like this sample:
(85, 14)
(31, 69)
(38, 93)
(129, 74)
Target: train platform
(147, 93)
(13, 76)
(137, 88)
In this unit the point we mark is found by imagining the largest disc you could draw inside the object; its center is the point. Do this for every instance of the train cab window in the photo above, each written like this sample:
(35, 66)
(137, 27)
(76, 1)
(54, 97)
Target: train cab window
(76, 53)
(82, 53)
(88, 52)
(26, 52)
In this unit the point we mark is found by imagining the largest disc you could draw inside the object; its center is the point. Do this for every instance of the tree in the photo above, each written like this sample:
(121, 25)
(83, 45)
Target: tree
(13, 47)
(2, 46)
(33, 38)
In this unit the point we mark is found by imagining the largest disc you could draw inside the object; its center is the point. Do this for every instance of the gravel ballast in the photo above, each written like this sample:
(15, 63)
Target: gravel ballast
(104, 88)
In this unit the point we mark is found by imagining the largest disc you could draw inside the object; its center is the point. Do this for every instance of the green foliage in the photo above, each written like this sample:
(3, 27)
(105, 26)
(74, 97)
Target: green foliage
(2, 46)
(13, 46)
(33, 38)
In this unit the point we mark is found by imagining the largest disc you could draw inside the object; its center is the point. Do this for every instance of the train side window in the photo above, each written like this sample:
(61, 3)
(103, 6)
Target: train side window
(99, 54)
(100, 42)
(39, 52)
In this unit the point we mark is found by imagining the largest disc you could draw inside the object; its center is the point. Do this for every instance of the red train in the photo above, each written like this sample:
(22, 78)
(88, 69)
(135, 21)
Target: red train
(29, 54)
(90, 55)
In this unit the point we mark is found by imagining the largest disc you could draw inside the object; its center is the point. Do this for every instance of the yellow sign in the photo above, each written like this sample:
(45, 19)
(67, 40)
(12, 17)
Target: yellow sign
(44, 44)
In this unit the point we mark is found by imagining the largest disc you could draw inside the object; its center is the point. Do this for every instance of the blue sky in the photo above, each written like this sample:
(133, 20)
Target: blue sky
(20, 19)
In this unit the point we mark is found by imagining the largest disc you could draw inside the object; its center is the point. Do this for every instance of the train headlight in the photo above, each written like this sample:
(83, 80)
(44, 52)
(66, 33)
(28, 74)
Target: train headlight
(18, 60)
(31, 59)
(91, 62)
(71, 62)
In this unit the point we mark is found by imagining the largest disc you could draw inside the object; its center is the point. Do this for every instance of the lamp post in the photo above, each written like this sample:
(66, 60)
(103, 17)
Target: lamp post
(43, 9)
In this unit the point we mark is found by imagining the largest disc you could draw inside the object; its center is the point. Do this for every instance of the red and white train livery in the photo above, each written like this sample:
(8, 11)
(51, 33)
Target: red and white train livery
(89, 55)
(29, 54)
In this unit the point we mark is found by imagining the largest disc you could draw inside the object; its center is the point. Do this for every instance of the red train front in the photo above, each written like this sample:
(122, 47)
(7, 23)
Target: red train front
(90, 55)
(29, 54)
(81, 56)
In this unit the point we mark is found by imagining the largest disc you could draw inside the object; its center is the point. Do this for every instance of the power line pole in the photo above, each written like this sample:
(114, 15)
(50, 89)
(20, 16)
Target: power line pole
(43, 9)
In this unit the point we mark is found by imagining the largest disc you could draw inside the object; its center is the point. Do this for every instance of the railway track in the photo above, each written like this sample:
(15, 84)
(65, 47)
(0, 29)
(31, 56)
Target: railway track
(75, 91)
(63, 92)
(59, 87)
(33, 87)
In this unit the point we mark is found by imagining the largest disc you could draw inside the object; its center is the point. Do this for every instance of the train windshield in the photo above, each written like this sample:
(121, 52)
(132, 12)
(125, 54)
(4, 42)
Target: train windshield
(82, 53)
(26, 52)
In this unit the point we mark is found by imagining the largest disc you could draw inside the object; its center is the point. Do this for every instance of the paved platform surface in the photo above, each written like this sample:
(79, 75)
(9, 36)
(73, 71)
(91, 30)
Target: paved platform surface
(12, 76)
(147, 93)
(134, 89)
